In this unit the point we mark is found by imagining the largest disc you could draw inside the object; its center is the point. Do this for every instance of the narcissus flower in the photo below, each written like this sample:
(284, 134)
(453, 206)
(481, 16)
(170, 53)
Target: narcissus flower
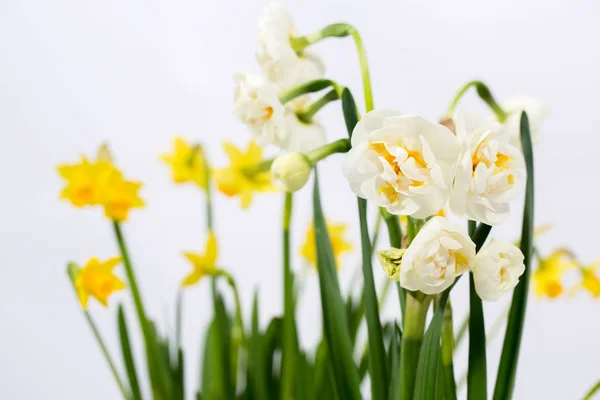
(238, 179)
(438, 254)
(547, 279)
(280, 63)
(84, 181)
(187, 163)
(120, 196)
(490, 173)
(497, 269)
(291, 171)
(100, 183)
(204, 264)
(403, 163)
(589, 279)
(97, 279)
(257, 106)
(339, 243)
(536, 111)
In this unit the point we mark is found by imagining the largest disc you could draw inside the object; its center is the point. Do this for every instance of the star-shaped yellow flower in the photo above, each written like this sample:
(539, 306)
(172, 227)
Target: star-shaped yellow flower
(100, 183)
(119, 196)
(339, 244)
(590, 280)
(97, 279)
(84, 181)
(236, 180)
(204, 264)
(548, 277)
(187, 163)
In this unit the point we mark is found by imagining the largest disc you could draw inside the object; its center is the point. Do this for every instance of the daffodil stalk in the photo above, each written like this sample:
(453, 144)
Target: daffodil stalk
(309, 112)
(309, 87)
(340, 30)
(207, 191)
(72, 269)
(448, 349)
(239, 332)
(485, 94)
(412, 339)
(289, 330)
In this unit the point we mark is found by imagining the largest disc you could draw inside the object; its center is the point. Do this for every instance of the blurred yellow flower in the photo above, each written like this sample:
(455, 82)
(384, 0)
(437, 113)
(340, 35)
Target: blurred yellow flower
(98, 280)
(100, 183)
(548, 277)
(84, 181)
(204, 264)
(339, 244)
(590, 280)
(187, 163)
(237, 180)
(119, 196)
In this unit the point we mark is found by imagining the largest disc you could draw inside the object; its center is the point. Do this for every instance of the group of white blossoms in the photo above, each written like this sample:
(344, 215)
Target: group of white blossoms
(403, 163)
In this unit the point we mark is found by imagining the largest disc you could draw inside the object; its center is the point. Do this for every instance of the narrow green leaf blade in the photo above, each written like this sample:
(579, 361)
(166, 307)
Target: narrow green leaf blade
(377, 359)
(507, 371)
(334, 313)
(128, 355)
(394, 357)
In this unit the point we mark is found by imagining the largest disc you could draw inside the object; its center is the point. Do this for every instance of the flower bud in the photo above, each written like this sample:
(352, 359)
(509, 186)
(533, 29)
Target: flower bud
(391, 260)
(291, 171)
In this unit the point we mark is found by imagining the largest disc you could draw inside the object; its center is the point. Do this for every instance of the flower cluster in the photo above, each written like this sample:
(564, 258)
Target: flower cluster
(441, 252)
(99, 182)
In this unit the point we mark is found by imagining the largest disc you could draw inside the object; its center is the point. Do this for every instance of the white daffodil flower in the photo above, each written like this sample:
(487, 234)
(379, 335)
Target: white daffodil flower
(402, 162)
(536, 111)
(280, 63)
(439, 253)
(490, 173)
(497, 269)
(257, 106)
(302, 136)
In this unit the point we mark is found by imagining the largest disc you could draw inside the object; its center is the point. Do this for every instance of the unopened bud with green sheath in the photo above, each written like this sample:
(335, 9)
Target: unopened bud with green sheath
(391, 261)
(291, 171)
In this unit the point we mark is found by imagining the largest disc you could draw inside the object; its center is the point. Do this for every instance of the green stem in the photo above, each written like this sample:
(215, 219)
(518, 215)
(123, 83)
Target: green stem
(71, 269)
(238, 305)
(133, 286)
(309, 112)
(485, 94)
(289, 334)
(447, 362)
(308, 87)
(341, 30)
(318, 154)
(412, 339)
(592, 391)
(208, 192)
(395, 236)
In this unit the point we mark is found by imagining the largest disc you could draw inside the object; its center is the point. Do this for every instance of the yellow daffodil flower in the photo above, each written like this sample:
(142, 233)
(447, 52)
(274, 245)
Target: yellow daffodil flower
(548, 277)
(235, 180)
(84, 181)
(100, 183)
(187, 163)
(204, 264)
(589, 280)
(339, 244)
(119, 196)
(97, 279)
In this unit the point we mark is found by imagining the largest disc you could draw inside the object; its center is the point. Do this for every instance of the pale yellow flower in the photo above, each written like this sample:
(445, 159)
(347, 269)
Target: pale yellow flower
(97, 279)
(237, 179)
(187, 163)
(339, 244)
(204, 264)
(547, 279)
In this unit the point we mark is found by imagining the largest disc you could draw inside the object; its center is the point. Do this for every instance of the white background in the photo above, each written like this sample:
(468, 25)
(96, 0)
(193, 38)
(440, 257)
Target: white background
(135, 73)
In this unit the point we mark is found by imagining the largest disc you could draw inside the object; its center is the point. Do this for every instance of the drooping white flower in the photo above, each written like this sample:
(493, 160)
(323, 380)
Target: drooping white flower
(490, 173)
(497, 269)
(536, 111)
(280, 63)
(302, 136)
(257, 106)
(402, 162)
(439, 253)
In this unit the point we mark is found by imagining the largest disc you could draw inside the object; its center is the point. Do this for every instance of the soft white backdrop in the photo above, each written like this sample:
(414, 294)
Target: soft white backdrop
(135, 73)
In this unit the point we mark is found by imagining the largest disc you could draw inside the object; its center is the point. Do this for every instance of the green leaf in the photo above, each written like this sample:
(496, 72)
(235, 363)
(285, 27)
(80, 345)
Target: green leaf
(128, 356)
(350, 111)
(257, 382)
(427, 368)
(446, 382)
(334, 314)
(507, 371)
(477, 369)
(223, 330)
(394, 357)
(377, 360)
